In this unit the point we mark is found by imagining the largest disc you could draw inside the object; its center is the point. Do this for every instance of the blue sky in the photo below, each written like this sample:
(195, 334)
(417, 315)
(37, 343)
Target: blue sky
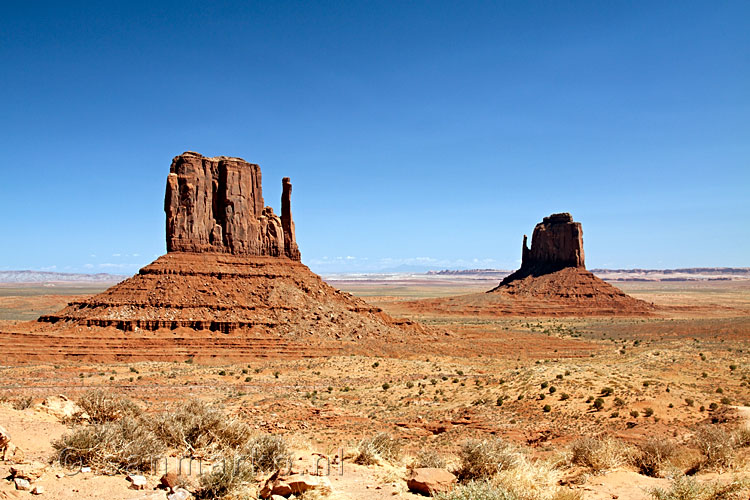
(429, 134)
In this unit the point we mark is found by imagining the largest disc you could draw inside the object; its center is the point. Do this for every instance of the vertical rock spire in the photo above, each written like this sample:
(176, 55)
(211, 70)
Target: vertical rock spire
(290, 244)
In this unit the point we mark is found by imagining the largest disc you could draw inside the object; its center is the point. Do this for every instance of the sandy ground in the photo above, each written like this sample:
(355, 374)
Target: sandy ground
(437, 396)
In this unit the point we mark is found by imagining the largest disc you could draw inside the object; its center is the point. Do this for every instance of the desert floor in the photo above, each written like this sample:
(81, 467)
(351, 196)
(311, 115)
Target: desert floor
(533, 382)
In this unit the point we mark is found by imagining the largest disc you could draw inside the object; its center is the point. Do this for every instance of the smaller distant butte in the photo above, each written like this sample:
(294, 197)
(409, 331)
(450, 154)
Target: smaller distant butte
(552, 281)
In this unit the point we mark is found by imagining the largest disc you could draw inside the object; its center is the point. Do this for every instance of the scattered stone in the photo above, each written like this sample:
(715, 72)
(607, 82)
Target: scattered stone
(31, 471)
(4, 438)
(295, 484)
(9, 451)
(429, 480)
(22, 484)
(85, 469)
(37, 490)
(179, 494)
(170, 481)
(138, 482)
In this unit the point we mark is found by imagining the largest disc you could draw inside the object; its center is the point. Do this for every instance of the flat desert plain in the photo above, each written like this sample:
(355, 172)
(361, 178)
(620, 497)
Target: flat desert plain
(572, 407)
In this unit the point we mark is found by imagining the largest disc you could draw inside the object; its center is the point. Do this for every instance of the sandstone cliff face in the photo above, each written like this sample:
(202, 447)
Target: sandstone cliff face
(557, 243)
(216, 205)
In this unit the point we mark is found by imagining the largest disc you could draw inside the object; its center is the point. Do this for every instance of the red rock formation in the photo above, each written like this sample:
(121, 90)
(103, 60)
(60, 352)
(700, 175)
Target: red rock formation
(553, 279)
(233, 267)
(216, 205)
(557, 242)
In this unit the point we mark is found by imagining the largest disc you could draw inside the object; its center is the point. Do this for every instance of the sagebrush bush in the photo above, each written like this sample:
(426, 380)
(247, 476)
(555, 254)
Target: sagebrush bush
(268, 453)
(653, 457)
(717, 447)
(428, 458)
(688, 488)
(104, 407)
(119, 446)
(381, 446)
(476, 490)
(197, 426)
(483, 459)
(226, 479)
(487, 490)
(599, 453)
(23, 403)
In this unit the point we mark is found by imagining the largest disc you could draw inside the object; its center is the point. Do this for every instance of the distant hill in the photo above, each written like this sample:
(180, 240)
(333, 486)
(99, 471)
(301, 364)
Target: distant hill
(50, 277)
(685, 274)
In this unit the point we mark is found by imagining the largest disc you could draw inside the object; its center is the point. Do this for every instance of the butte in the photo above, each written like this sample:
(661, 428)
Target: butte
(231, 286)
(552, 281)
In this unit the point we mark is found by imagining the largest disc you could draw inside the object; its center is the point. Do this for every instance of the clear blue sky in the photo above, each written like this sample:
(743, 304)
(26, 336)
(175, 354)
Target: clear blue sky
(415, 133)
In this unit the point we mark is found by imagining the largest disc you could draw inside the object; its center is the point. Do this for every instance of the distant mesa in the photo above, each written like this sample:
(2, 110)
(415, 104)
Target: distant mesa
(232, 266)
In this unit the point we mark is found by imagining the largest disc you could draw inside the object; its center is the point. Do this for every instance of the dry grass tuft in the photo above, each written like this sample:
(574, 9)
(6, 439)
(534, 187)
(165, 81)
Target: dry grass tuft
(227, 480)
(687, 488)
(428, 458)
(483, 459)
(476, 490)
(268, 453)
(599, 453)
(531, 480)
(124, 445)
(653, 457)
(379, 447)
(104, 407)
(717, 447)
(197, 426)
